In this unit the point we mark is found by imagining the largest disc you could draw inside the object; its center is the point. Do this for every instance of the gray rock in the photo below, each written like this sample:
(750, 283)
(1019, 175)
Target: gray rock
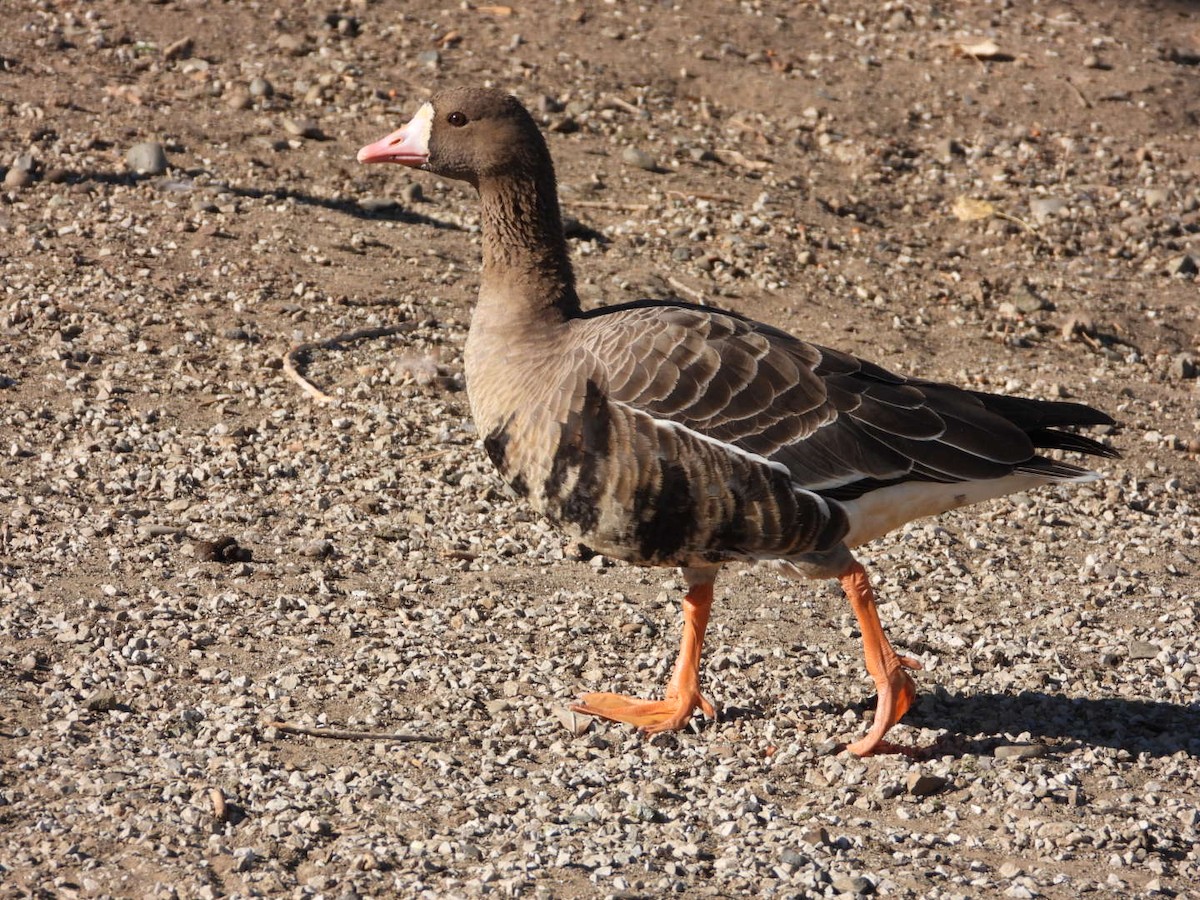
(18, 178)
(102, 701)
(853, 884)
(1019, 751)
(1026, 301)
(376, 204)
(180, 49)
(1156, 197)
(947, 149)
(794, 858)
(572, 721)
(260, 87)
(1045, 208)
(294, 44)
(1142, 650)
(238, 97)
(1183, 265)
(147, 158)
(818, 837)
(1183, 367)
(318, 549)
(430, 58)
(920, 784)
(306, 128)
(21, 173)
(639, 158)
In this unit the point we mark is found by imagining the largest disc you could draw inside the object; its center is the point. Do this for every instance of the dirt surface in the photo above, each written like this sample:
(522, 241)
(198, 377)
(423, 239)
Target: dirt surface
(1002, 195)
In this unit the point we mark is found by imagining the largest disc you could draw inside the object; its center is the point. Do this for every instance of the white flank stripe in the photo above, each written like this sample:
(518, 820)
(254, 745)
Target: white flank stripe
(732, 449)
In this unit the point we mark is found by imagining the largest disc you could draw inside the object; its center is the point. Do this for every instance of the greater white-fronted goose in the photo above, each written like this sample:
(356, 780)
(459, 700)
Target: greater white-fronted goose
(667, 434)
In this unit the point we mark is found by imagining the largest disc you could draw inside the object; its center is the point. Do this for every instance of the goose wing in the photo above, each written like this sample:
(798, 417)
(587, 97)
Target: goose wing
(840, 425)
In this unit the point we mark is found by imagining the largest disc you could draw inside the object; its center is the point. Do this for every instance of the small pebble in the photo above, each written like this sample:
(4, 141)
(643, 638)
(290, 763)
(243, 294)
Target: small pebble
(1183, 366)
(1187, 264)
(102, 701)
(18, 178)
(1045, 208)
(920, 784)
(1142, 650)
(1155, 197)
(223, 550)
(180, 49)
(307, 128)
(576, 724)
(238, 97)
(318, 549)
(1019, 751)
(293, 44)
(638, 158)
(857, 885)
(147, 158)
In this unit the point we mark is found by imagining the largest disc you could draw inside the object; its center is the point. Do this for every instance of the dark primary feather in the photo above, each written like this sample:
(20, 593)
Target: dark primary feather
(841, 426)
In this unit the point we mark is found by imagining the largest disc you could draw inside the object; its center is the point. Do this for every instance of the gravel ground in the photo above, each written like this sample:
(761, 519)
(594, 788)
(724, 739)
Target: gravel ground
(199, 561)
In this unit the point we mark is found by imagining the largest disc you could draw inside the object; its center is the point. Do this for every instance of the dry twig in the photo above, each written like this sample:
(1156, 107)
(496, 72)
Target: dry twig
(701, 195)
(1087, 104)
(610, 204)
(290, 359)
(340, 734)
(613, 100)
(696, 295)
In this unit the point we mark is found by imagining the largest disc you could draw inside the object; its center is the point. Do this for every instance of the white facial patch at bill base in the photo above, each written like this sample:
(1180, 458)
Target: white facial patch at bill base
(419, 127)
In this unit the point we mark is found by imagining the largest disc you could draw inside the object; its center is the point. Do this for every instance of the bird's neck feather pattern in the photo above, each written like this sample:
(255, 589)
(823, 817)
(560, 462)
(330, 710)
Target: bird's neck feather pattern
(525, 257)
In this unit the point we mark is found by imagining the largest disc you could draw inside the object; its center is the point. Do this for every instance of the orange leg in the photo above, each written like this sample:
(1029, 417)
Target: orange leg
(683, 690)
(895, 687)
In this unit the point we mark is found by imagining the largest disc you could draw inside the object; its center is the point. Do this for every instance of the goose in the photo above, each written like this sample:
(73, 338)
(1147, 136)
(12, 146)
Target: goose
(669, 434)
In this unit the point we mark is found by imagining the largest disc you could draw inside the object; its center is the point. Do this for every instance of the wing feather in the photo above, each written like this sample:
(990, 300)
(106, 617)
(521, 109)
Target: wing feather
(841, 425)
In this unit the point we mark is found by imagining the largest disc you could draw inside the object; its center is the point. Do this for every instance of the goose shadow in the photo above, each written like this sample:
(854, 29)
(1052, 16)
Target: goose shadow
(386, 210)
(1153, 727)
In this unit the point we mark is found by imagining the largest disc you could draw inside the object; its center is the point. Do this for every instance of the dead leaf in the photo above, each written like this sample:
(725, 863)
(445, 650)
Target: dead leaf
(968, 209)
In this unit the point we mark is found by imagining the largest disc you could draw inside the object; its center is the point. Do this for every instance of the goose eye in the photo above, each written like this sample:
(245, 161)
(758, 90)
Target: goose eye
(457, 119)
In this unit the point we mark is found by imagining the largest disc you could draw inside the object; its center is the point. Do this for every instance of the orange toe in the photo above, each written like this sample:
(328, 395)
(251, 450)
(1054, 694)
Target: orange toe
(651, 716)
(896, 696)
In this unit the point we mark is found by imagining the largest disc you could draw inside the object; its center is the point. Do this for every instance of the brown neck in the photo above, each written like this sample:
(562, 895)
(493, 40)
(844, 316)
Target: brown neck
(524, 251)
